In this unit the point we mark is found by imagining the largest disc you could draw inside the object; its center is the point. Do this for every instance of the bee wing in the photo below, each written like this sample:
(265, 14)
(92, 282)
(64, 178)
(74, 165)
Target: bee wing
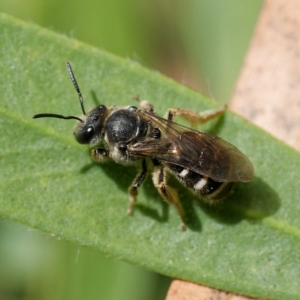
(198, 151)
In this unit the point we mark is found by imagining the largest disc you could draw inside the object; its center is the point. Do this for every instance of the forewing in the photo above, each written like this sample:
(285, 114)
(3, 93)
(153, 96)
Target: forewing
(198, 151)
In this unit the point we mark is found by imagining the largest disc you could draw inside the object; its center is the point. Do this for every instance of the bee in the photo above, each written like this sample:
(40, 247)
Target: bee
(205, 163)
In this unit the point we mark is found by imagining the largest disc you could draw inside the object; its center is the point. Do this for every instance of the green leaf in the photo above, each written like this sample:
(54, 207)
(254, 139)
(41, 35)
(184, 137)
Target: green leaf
(249, 245)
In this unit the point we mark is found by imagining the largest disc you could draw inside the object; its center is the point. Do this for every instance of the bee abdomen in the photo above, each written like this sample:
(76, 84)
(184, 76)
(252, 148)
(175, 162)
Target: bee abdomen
(204, 186)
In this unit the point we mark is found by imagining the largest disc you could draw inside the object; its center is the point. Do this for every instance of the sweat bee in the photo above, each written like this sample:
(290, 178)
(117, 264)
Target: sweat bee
(205, 163)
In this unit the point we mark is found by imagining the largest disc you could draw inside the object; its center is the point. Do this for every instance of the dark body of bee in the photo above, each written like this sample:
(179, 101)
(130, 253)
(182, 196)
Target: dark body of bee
(205, 163)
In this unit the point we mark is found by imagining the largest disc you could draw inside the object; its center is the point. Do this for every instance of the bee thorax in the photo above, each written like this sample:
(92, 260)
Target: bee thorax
(124, 125)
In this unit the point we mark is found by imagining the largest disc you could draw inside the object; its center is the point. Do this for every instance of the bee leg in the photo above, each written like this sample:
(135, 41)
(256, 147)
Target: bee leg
(133, 189)
(192, 116)
(100, 154)
(144, 104)
(167, 193)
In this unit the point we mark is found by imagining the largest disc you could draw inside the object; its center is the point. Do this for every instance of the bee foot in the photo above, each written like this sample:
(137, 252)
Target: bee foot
(130, 211)
(182, 227)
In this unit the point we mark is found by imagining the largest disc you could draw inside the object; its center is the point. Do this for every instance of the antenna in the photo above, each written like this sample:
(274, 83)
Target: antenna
(46, 115)
(71, 74)
(56, 116)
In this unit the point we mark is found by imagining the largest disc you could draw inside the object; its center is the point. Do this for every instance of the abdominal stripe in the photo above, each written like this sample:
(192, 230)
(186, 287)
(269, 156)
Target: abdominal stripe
(199, 183)
(183, 173)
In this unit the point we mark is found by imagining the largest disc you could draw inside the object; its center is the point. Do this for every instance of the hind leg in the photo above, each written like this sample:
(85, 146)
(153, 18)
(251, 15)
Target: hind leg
(192, 116)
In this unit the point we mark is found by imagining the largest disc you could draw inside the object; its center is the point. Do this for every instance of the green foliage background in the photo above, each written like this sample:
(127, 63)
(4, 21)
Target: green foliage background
(202, 39)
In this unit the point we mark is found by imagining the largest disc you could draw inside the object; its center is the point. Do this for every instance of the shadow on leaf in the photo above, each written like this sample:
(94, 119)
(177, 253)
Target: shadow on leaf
(249, 201)
(123, 177)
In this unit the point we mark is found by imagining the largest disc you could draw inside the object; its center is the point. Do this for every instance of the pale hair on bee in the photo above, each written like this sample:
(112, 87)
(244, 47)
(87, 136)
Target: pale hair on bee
(206, 164)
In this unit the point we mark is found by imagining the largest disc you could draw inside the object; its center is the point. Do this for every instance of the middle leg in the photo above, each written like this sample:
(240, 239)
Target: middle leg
(168, 194)
(133, 189)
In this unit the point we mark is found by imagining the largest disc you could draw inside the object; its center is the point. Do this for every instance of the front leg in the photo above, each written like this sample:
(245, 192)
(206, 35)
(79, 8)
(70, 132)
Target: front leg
(133, 189)
(192, 116)
(100, 154)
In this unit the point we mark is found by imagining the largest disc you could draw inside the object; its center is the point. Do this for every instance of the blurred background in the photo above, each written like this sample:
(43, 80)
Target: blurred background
(199, 43)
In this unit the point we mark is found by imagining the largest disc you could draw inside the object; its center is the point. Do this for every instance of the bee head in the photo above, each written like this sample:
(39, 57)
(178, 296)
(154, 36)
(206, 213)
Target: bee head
(89, 131)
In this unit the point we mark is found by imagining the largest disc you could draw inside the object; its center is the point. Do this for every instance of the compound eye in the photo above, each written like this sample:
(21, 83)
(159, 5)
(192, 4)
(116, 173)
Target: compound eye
(84, 136)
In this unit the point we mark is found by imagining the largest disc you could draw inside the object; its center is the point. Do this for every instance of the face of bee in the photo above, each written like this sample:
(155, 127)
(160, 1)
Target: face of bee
(90, 130)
